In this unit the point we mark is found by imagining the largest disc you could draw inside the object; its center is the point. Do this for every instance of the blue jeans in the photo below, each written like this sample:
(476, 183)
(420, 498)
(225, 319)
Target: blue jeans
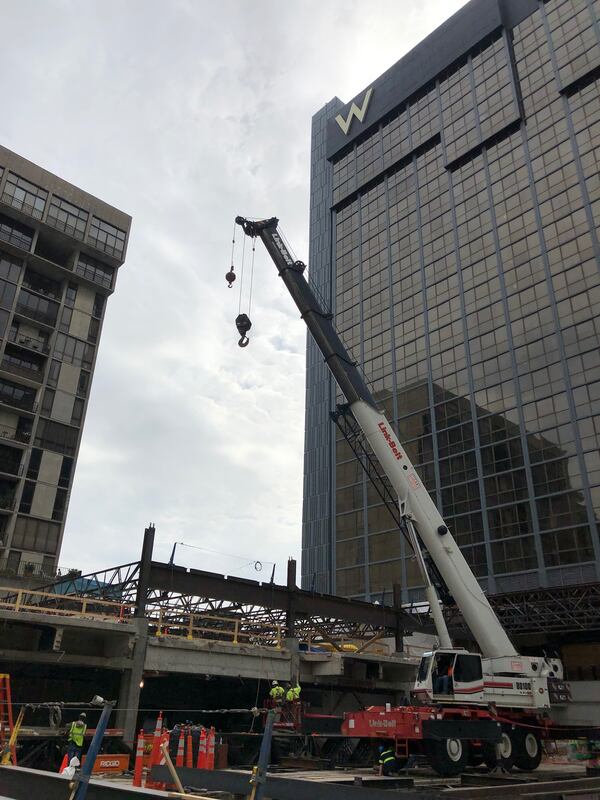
(73, 751)
(442, 684)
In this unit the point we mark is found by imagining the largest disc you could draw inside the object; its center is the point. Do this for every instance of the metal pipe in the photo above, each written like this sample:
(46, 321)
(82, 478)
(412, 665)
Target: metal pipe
(259, 773)
(82, 782)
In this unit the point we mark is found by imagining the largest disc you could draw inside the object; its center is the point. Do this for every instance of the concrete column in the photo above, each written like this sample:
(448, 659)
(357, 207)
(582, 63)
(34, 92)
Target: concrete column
(129, 691)
(291, 645)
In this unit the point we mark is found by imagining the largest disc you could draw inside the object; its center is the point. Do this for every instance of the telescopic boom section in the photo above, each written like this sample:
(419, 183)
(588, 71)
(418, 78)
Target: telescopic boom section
(415, 502)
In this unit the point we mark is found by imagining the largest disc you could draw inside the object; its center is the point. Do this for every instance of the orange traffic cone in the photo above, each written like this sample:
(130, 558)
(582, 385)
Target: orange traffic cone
(150, 784)
(156, 741)
(202, 750)
(180, 749)
(210, 749)
(155, 756)
(64, 764)
(139, 760)
(188, 752)
(162, 762)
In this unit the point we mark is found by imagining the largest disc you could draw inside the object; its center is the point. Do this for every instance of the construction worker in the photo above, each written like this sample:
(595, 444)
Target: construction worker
(289, 693)
(75, 738)
(277, 692)
(447, 679)
(442, 678)
(296, 691)
(387, 760)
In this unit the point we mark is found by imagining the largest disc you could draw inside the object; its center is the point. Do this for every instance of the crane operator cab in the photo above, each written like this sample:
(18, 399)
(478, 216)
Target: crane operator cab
(450, 676)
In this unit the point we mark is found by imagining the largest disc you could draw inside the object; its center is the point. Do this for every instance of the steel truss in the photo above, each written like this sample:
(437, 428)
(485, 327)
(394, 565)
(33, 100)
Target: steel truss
(265, 613)
(560, 609)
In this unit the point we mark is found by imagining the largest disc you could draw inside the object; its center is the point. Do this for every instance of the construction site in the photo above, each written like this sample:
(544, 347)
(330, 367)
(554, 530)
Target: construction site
(440, 639)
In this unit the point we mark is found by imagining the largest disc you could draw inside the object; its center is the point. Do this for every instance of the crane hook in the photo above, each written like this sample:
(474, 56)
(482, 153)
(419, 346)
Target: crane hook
(243, 324)
(230, 277)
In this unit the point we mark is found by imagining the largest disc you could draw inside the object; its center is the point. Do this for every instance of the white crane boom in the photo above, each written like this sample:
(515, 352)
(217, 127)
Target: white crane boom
(416, 505)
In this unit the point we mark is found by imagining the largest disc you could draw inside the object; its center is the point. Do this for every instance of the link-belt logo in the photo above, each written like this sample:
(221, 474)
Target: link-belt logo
(390, 440)
(382, 723)
(282, 249)
(355, 111)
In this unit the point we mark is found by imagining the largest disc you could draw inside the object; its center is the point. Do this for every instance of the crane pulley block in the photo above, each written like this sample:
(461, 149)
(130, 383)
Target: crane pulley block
(243, 324)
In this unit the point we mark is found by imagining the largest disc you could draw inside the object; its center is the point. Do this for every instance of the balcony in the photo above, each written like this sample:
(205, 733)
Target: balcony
(36, 314)
(94, 275)
(21, 205)
(66, 223)
(9, 467)
(7, 502)
(14, 233)
(34, 570)
(42, 287)
(23, 437)
(36, 375)
(30, 342)
(25, 403)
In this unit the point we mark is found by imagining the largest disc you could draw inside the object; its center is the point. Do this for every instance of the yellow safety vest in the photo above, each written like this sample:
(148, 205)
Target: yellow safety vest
(77, 732)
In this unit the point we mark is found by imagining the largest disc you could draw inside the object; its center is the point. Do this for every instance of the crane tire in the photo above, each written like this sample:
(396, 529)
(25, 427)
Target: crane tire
(528, 749)
(448, 756)
(508, 750)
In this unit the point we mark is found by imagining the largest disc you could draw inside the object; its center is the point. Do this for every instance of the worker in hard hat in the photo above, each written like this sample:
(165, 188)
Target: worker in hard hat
(76, 733)
(277, 692)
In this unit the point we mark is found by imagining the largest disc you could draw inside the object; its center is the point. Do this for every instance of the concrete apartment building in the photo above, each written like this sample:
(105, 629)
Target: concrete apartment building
(455, 209)
(60, 250)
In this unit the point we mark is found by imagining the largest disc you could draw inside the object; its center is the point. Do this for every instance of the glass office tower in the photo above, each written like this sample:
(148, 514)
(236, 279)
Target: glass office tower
(455, 209)
(60, 249)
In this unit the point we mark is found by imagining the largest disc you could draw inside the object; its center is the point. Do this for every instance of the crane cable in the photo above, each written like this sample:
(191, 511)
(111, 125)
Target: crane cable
(242, 275)
(251, 275)
(230, 276)
(242, 321)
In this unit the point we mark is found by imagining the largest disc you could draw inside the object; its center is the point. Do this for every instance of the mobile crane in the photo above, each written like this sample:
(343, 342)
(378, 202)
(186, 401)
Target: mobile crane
(495, 696)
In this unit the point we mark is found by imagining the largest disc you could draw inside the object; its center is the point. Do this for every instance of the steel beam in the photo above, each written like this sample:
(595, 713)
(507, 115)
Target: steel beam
(145, 568)
(298, 603)
(19, 783)
(238, 783)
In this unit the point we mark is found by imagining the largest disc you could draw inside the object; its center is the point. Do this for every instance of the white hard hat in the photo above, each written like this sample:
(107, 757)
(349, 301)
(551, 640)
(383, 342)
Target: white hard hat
(273, 683)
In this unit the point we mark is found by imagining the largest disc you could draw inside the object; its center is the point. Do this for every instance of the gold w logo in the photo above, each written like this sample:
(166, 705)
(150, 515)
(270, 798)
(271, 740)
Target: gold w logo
(355, 111)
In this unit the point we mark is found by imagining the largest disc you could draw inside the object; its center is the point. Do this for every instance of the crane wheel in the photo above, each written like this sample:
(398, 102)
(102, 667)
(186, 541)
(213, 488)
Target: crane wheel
(508, 750)
(448, 756)
(476, 758)
(528, 750)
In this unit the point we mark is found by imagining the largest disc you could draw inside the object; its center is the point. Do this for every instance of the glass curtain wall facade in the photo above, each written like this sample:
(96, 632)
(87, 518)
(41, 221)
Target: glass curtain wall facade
(456, 235)
(60, 250)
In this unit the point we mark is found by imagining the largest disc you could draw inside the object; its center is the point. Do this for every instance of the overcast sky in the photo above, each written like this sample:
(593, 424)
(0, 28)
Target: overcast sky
(184, 113)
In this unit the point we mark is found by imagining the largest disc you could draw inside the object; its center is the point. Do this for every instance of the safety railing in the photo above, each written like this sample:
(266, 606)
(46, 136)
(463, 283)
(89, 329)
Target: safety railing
(213, 627)
(30, 569)
(40, 602)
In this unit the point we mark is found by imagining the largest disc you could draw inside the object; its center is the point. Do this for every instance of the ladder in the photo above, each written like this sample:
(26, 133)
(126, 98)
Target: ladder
(7, 748)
